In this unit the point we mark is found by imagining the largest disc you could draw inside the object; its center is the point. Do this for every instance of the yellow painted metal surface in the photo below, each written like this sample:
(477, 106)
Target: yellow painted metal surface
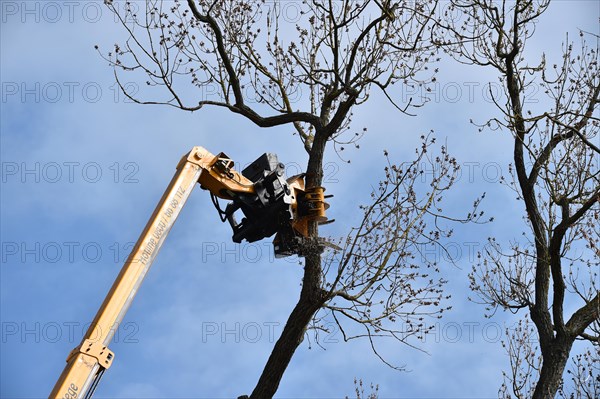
(83, 368)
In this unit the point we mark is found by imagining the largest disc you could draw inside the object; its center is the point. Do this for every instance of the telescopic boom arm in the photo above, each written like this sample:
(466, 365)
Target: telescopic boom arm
(270, 204)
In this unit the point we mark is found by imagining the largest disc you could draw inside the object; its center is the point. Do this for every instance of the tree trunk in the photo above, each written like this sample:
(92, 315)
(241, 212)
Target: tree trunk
(553, 366)
(284, 349)
(312, 296)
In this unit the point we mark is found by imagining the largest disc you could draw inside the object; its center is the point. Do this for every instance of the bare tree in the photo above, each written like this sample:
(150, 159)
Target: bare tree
(380, 280)
(582, 380)
(556, 175)
(241, 52)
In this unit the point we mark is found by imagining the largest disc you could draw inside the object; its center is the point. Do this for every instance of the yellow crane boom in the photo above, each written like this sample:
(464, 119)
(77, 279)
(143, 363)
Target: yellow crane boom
(270, 205)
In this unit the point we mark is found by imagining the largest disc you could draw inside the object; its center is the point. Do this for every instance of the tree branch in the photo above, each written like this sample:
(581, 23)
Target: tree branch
(583, 317)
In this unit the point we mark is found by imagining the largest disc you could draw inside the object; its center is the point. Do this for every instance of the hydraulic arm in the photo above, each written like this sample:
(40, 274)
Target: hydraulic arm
(270, 203)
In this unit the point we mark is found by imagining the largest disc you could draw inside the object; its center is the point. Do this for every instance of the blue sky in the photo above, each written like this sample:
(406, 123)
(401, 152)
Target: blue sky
(82, 170)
